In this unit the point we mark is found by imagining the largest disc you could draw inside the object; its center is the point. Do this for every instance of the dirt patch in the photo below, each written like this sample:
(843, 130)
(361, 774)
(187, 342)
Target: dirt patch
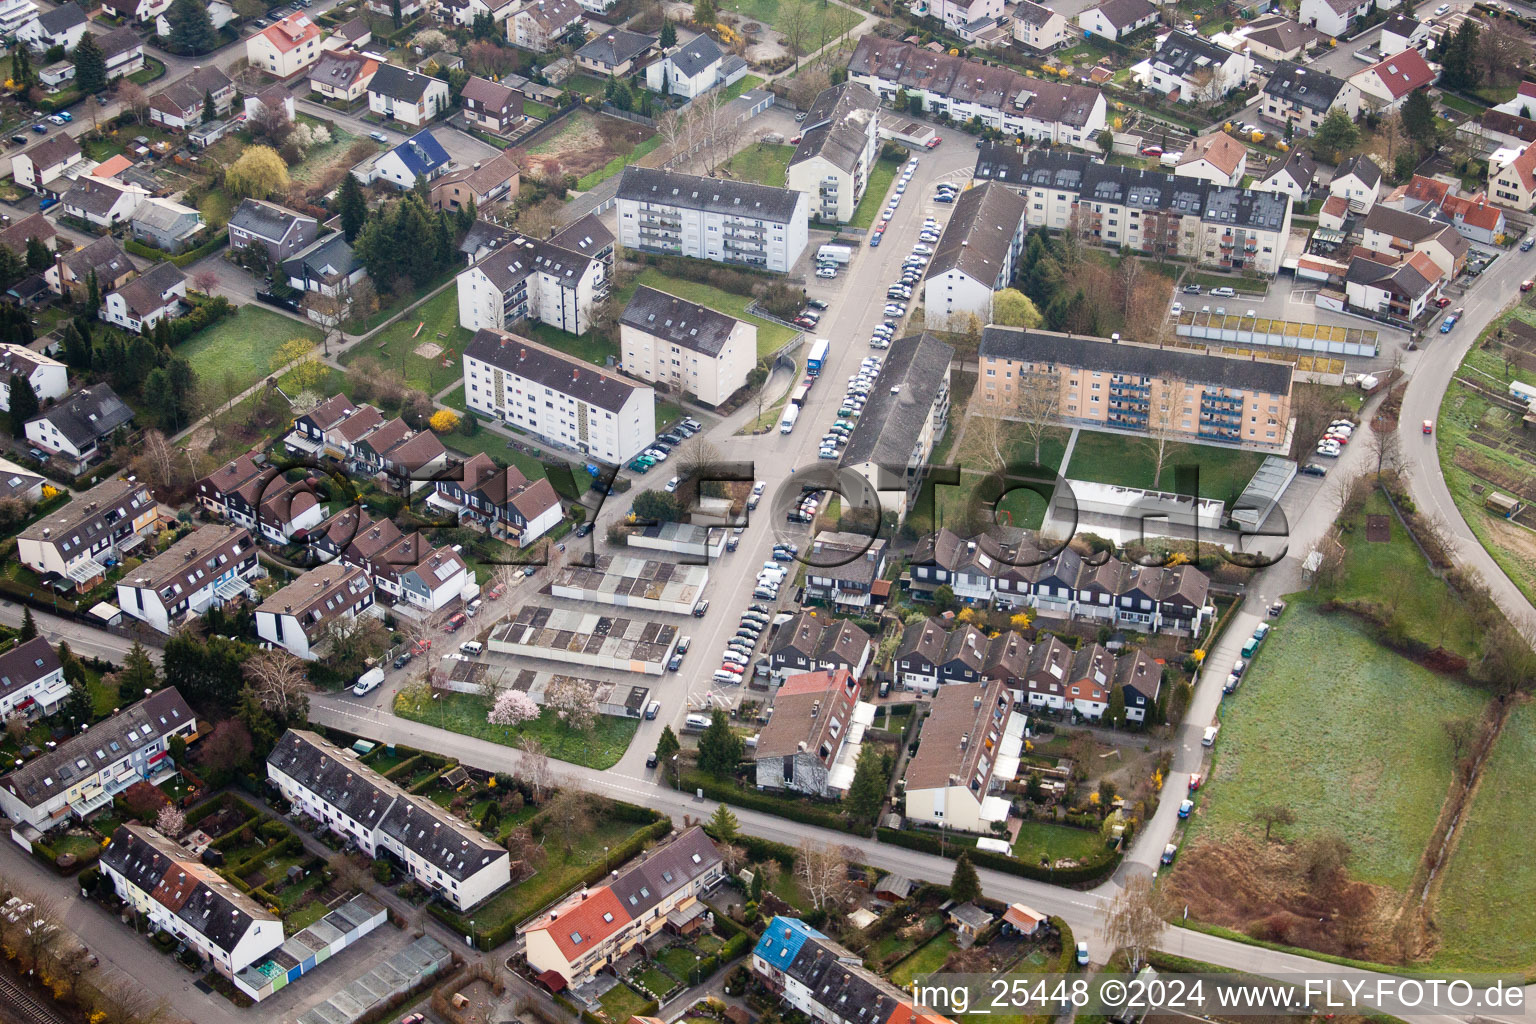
(1378, 529)
(584, 143)
(1264, 890)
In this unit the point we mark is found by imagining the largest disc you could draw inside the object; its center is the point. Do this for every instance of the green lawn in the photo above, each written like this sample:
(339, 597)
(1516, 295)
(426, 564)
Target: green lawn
(881, 176)
(1465, 106)
(743, 84)
(322, 158)
(770, 336)
(242, 345)
(588, 347)
(1346, 734)
(825, 22)
(925, 961)
(533, 108)
(1486, 907)
(494, 445)
(1039, 839)
(435, 322)
(622, 1002)
(763, 163)
(658, 983)
(1128, 462)
(667, 413)
(678, 959)
(465, 713)
(950, 505)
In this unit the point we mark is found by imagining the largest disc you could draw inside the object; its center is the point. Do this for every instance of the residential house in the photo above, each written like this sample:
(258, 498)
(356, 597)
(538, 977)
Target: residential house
(1217, 158)
(958, 15)
(311, 429)
(976, 256)
(491, 105)
(757, 226)
(1116, 19)
(500, 498)
(285, 47)
(1397, 232)
(839, 141)
(931, 655)
(48, 377)
(844, 569)
(280, 231)
(64, 25)
(220, 14)
(102, 203)
(1475, 217)
(146, 300)
(812, 741)
(1037, 27)
(1139, 679)
(71, 272)
(597, 926)
(1292, 176)
(1522, 104)
(123, 51)
(206, 568)
(812, 642)
(466, 11)
(891, 446)
(439, 850)
(1512, 177)
(1401, 32)
(342, 75)
(32, 683)
(1386, 84)
(691, 69)
(42, 167)
(615, 53)
(521, 278)
(73, 429)
(17, 235)
(1334, 215)
(690, 348)
(541, 25)
(1274, 37)
(179, 106)
(179, 895)
(15, 14)
(407, 96)
(1003, 99)
(968, 750)
(416, 575)
(409, 9)
(483, 184)
(142, 11)
(404, 455)
(328, 267)
(249, 492)
(1335, 17)
(354, 35)
(1301, 97)
(23, 485)
(1186, 67)
(565, 400)
(167, 226)
(420, 156)
(297, 618)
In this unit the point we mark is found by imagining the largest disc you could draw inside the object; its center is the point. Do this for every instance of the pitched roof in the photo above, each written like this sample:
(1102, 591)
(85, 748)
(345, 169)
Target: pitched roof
(960, 737)
(327, 259)
(265, 220)
(484, 179)
(342, 70)
(587, 236)
(118, 41)
(811, 714)
(551, 15)
(1282, 34)
(554, 370)
(679, 322)
(696, 55)
(401, 84)
(195, 559)
(1122, 13)
(35, 225)
(1524, 165)
(1303, 87)
(713, 195)
(980, 234)
(81, 523)
(1403, 72)
(292, 31)
(900, 402)
(1362, 167)
(185, 94)
(1219, 149)
(60, 149)
(324, 593)
(493, 94)
(163, 214)
(1032, 13)
(88, 415)
(837, 126)
(95, 195)
(146, 293)
(616, 46)
(1185, 53)
(26, 663)
(1301, 168)
(62, 18)
(1522, 128)
(421, 153)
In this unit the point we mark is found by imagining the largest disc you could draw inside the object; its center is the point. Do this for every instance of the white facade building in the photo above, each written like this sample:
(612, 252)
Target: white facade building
(711, 219)
(691, 348)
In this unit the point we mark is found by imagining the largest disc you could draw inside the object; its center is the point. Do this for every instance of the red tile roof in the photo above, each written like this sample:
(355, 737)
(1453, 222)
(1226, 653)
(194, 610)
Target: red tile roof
(1404, 72)
(584, 922)
(294, 30)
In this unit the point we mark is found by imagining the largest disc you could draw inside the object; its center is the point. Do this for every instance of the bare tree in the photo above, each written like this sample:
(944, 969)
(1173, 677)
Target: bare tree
(279, 680)
(1134, 923)
(535, 768)
(1383, 442)
(156, 459)
(355, 639)
(329, 312)
(205, 281)
(1207, 86)
(697, 457)
(571, 813)
(822, 872)
(1165, 418)
(131, 95)
(808, 84)
(1271, 815)
(170, 821)
(794, 22)
(677, 129)
(1462, 735)
(1037, 407)
(349, 874)
(1130, 277)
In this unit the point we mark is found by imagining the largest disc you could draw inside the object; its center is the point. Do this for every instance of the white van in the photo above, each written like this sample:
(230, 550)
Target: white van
(368, 681)
(1209, 739)
(791, 414)
(473, 648)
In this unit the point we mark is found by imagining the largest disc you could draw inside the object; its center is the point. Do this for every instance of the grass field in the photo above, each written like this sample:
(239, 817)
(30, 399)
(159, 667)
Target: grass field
(1126, 461)
(242, 345)
(823, 22)
(762, 163)
(741, 85)
(622, 1002)
(1346, 734)
(1039, 839)
(465, 713)
(1486, 907)
(925, 961)
(770, 336)
(588, 347)
(396, 345)
(880, 178)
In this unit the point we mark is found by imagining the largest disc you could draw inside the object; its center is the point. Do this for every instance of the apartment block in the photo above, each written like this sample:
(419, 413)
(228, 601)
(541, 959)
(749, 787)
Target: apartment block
(690, 348)
(839, 140)
(723, 221)
(975, 256)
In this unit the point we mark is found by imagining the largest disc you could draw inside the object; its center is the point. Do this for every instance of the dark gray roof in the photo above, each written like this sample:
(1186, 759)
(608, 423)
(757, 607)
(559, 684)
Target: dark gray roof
(81, 523)
(339, 70)
(694, 56)
(146, 293)
(1303, 87)
(515, 258)
(1402, 224)
(663, 870)
(714, 195)
(980, 233)
(1195, 368)
(838, 980)
(400, 83)
(588, 236)
(88, 415)
(265, 220)
(93, 195)
(62, 18)
(1399, 279)
(1032, 13)
(330, 257)
(685, 324)
(1301, 168)
(1283, 34)
(105, 256)
(916, 366)
(119, 40)
(1182, 53)
(1122, 13)
(26, 663)
(554, 370)
(1362, 167)
(1400, 24)
(194, 560)
(616, 46)
(836, 127)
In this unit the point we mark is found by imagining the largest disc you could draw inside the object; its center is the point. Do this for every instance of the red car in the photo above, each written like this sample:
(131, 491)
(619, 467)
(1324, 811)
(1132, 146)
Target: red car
(1194, 782)
(453, 624)
(1151, 150)
(933, 143)
(1526, 286)
(497, 591)
(1442, 302)
(421, 646)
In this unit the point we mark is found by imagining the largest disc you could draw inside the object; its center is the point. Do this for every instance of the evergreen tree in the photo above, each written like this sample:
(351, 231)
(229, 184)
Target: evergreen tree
(24, 404)
(755, 894)
(90, 65)
(1419, 119)
(720, 749)
(353, 207)
(138, 674)
(668, 34)
(191, 29)
(1116, 711)
(12, 267)
(1336, 133)
(77, 706)
(666, 746)
(704, 12)
(21, 67)
(394, 12)
(867, 791)
(964, 886)
(28, 630)
(210, 110)
(76, 352)
(92, 293)
(38, 256)
(1458, 58)
(467, 215)
(723, 825)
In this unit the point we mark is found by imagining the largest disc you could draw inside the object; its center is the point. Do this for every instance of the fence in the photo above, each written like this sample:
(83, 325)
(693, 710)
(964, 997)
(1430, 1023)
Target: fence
(628, 115)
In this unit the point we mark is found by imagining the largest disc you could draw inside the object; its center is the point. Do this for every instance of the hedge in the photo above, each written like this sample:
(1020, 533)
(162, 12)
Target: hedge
(1083, 875)
(185, 259)
(765, 849)
(728, 792)
(735, 946)
(219, 803)
(1066, 960)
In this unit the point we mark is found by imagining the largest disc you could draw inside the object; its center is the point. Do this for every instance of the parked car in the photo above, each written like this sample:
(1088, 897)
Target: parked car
(455, 622)
(1185, 808)
(1528, 244)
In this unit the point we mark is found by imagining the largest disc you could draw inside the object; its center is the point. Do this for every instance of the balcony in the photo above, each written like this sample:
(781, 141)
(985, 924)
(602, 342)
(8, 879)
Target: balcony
(1133, 420)
(1219, 433)
(1221, 402)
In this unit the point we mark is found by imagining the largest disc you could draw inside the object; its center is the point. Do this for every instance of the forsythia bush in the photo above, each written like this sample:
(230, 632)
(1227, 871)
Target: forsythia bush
(444, 420)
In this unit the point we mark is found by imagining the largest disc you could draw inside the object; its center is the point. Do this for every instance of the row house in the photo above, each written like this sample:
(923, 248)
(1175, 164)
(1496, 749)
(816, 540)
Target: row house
(500, 498)
(32, 683)
(736, 222)
(969, 749)
(80, 775)
(816, 643)
(1082, 682)
(1062, 113)
(439, 851)
(208, 567)
(298, 617)
(845, 570)
(812, 741)
(1061, 583)
(250, 493)
(405, 568)
(931, 654)
(96, 529)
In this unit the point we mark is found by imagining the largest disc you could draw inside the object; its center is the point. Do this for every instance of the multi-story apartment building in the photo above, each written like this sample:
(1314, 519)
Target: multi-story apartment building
(110, 520)
(297, 617)
(1301, 97)
(438, 850)
(1334, 16)
(1062, 113)
(181, 895)
(1145, 211)
(595, 927)
(530, 279)
(566, 401)
(540, 25)
(32, 682)
(204, 569)
(975, 256)
(711, 219)
(1189, 68)
(839, 139)
(812, 742)
(1133, 387)
(500, 498)
(690, 348)
(968, 750)
(906, 416)
(82, 774)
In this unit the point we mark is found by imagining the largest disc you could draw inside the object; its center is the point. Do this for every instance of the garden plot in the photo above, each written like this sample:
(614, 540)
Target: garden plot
(583, 143)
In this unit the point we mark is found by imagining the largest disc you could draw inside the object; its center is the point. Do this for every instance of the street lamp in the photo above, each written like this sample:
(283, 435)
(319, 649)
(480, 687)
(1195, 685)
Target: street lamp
(677, 781)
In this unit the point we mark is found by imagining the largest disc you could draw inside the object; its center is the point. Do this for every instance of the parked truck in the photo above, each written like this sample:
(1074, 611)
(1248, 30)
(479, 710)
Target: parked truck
(834, 252)
(818, 357)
